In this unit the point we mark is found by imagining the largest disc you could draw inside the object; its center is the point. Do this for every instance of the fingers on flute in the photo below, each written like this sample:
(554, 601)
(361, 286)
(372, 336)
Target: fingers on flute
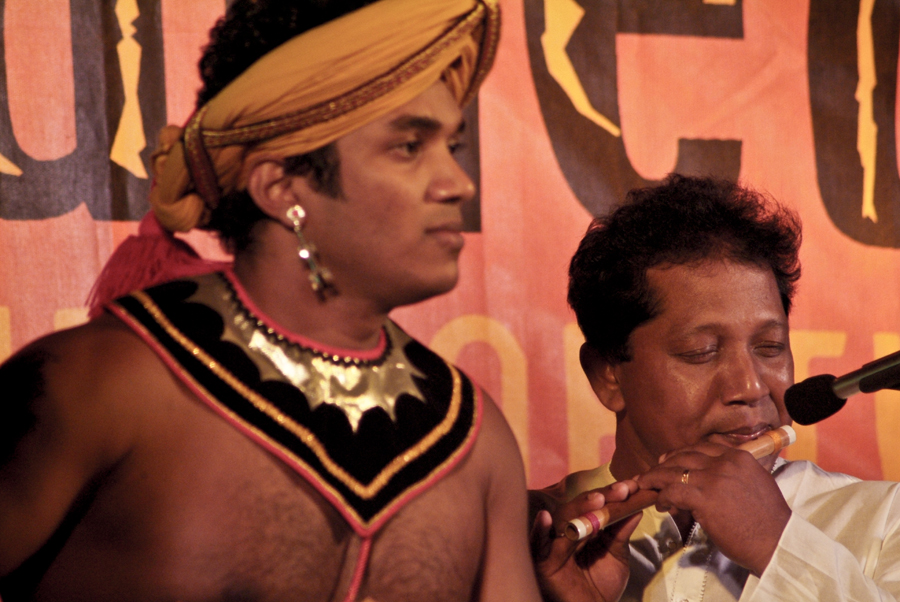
(671, 479)
(582, 503)
(678, 486)
(620, 490)
(596, 499)
(542, 535)
(612, 539)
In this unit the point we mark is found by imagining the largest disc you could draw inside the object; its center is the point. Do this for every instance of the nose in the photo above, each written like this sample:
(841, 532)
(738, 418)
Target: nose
(450, 182)
(743, 380)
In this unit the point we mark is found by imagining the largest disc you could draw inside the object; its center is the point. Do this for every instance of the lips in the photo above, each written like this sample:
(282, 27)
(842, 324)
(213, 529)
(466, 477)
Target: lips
(740, 435)
(448, 235)
(453, 226)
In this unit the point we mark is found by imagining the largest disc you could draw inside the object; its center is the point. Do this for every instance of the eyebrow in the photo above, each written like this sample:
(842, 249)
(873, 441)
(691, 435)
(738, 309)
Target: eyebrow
(423, 124)
(716, 326)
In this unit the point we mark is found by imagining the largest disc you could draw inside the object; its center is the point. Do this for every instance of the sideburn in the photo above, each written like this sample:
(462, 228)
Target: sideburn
(323, 164)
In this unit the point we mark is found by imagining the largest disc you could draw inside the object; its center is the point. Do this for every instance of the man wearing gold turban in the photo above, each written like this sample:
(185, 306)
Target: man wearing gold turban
(264, 431)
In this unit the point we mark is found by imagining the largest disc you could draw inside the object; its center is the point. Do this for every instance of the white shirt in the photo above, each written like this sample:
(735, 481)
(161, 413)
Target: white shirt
(841, 544)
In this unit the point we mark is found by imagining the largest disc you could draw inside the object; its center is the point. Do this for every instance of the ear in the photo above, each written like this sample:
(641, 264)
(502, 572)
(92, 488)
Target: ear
(602, 376)
(272, 189)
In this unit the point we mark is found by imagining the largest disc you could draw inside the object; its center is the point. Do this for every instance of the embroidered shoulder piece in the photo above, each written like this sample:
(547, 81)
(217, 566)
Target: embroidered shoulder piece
(368, 430)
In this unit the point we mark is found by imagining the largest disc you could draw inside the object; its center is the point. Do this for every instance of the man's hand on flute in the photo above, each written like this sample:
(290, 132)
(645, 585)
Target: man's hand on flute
(730, 494)
(593, 570)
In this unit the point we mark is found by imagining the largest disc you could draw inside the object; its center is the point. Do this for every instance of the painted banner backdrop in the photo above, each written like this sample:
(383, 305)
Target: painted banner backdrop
(588, 98)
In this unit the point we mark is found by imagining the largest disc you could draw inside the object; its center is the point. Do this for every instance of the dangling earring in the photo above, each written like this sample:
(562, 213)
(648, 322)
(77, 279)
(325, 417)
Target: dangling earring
(319, 277)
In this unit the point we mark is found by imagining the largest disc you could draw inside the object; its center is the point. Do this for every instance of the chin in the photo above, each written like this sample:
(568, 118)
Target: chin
(450, 283)
(432, 289)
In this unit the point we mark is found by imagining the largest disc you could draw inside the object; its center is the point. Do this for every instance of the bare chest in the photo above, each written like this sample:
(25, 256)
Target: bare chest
(198, 512)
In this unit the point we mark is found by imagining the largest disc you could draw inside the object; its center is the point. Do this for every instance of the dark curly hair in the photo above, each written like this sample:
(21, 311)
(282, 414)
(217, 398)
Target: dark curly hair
(683, 220)
(248, 30)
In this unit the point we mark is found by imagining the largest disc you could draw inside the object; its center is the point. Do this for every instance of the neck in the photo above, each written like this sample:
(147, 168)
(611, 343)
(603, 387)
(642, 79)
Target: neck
(630, 458)
(277, 281)
(623, 467)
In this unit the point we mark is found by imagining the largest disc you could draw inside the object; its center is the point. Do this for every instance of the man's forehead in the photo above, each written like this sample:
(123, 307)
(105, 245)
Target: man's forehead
(423, 123)
(707, 272)
(433, 109)
(712, 290)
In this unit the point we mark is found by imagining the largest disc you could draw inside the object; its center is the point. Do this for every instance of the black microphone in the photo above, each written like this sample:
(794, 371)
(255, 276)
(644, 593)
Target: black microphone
(818, 397)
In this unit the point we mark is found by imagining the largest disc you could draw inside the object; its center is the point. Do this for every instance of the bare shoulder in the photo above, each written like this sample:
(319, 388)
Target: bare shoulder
(495, 461)
(63, 422)
(67, 373)
(496, 449)
(76, 378)
(506, 570)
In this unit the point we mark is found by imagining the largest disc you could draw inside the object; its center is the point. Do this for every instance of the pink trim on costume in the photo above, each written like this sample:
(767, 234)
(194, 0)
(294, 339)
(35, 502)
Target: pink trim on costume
(361, 354)
(360, 571)
(436, 476)
(308, 474)
(263, 441)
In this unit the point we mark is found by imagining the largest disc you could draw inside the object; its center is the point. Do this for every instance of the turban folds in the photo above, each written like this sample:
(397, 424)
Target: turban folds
(316, 88)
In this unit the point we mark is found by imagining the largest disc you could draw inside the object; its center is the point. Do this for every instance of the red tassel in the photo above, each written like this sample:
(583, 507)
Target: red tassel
(152, 257)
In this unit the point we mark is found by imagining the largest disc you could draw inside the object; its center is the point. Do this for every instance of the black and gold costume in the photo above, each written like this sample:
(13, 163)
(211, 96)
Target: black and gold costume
(369, 430)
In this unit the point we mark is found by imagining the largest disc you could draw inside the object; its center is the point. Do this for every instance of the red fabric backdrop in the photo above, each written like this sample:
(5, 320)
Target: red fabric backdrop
(797, 97)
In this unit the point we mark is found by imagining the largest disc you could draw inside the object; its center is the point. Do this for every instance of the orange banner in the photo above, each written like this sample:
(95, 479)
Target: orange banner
(796, 97)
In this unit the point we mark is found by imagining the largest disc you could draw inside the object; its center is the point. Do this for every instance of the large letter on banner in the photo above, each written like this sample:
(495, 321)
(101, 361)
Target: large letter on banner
(853, 49)
(572, 46)
(116, 51)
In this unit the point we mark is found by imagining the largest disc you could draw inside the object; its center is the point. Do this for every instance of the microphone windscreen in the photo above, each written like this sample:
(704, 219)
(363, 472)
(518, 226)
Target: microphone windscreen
(813, 399)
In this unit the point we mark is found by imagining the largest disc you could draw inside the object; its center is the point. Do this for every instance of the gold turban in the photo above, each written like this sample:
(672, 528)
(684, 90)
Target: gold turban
(316, 88)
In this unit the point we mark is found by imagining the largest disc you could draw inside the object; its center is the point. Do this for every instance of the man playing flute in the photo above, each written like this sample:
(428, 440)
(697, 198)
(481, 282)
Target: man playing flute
(683, 295)
(265, 432)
